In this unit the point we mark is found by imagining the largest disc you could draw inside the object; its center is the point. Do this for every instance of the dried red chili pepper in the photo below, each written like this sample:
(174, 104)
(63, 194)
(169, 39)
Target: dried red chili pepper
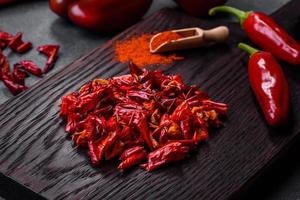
(171, 152)
(5, 38)
(13, 87)
(130, 115)
(19, 75)
(30, 67)
(133, 157)
(16, 44)
(51, 51)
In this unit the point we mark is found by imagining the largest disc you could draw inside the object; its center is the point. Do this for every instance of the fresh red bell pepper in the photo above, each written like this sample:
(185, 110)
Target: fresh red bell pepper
(266, 33)
(198, 8)
(269, 85)
(5, 2)
(103, 15)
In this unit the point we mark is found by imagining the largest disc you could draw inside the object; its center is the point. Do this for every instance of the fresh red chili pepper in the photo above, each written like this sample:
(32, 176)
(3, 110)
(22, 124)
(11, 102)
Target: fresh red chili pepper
(30, 67)
(168, 153)
(266, 33)
(51, 51)
(103, 16)
(269, 85)
(129, 115)
(16, 44)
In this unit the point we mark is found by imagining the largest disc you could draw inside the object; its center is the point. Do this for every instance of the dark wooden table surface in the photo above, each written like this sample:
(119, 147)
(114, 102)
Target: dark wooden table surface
(40, 26)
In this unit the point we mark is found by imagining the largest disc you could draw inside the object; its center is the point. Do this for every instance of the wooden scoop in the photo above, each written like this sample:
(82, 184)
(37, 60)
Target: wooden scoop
(192, 38)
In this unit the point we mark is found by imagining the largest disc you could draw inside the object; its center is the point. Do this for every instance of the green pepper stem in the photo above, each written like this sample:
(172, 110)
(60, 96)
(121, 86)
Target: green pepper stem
(241, 15)
(248, 48)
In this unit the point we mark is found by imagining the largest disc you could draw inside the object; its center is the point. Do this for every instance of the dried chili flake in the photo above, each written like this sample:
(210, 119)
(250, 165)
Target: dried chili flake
(30, 67)
(19, 75)
(16, 44)
(144, 116)
(5, 38)
(51, 51)
(13, 87)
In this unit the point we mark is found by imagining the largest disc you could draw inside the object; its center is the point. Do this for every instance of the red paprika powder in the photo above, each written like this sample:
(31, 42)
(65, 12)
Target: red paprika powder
(137, 50)
(163, 37)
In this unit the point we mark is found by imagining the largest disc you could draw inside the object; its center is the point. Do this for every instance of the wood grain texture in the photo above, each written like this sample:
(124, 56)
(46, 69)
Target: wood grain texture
(35, 152)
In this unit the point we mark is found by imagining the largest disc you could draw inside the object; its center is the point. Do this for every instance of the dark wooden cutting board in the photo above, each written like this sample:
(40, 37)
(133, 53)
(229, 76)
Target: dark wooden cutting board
(36, 155)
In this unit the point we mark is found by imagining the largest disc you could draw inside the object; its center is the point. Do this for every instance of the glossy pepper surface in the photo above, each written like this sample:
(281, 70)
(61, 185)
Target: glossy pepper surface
(269, 85)
(266, 33)
(101, 15)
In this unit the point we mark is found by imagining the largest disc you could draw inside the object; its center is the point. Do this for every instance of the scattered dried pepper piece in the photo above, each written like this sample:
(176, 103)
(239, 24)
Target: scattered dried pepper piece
(19, 75)
(15, 81)
(30, 67)
(13, 87)
(145, 115)
(5, 38)
(16, 44)
(51, 51)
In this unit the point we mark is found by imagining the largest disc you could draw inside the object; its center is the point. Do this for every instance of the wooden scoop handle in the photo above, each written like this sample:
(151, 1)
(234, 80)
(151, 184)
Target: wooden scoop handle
(218, 34)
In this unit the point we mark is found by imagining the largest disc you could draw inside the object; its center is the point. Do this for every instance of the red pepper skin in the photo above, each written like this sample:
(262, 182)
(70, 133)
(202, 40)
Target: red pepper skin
(51, 51)
(131, 151)
(19, 76)
(198, 8)
(102, 16)
(266, 33)
(13, 87)
(132, 160)
(171, 152)
(16, 44)
(30, 67)
(269, 85)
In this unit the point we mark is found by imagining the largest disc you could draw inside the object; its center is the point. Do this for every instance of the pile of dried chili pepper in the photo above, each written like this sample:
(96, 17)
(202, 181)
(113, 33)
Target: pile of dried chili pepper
(145, 117)
(15, 80)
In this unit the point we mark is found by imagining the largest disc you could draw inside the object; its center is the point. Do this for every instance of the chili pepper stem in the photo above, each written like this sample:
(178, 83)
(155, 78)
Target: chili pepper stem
(248, 48)
(241, 15)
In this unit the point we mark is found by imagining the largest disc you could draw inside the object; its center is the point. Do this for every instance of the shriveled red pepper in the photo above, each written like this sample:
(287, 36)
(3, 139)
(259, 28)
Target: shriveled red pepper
(131, 157)
(19, 75)
(16, 44)
(265, 33)
(269, 85)
(102, 16)
(30, 67)
(51, 51)
(171, 152)
(14, 87)
(5, 38)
